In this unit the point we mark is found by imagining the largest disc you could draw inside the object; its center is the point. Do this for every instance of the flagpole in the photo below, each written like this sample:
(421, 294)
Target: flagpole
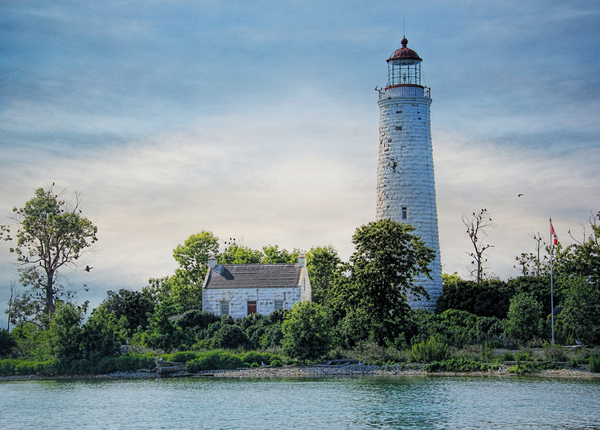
(552, 235)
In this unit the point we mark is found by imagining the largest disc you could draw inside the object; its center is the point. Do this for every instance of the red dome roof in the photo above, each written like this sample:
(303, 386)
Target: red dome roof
(404, 53)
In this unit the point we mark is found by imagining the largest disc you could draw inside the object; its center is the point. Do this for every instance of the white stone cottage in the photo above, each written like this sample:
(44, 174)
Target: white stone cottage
(243, 289)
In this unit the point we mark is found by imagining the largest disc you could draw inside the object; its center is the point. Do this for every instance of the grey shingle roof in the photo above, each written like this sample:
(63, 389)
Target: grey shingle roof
(254, 276)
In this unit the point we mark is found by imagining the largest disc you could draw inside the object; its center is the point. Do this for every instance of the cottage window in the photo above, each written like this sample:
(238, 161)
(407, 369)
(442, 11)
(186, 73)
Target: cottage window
(224, 308)
(251, 307)
(278, 304)
(404, 212)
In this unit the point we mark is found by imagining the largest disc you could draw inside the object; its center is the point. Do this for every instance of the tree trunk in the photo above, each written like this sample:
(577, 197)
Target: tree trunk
(50, 294)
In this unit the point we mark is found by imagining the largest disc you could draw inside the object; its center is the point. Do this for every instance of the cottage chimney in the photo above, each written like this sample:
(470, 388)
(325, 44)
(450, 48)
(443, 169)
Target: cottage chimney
(302, 260)
(212, 262)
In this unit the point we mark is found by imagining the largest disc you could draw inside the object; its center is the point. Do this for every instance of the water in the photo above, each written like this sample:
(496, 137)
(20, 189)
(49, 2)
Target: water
(340, 403)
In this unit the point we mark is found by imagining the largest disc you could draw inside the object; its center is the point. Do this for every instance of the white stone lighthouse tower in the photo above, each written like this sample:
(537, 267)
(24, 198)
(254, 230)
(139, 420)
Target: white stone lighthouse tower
(405, 180)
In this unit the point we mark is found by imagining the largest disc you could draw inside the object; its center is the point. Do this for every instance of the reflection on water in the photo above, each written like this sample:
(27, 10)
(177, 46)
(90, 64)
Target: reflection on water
(342, 403)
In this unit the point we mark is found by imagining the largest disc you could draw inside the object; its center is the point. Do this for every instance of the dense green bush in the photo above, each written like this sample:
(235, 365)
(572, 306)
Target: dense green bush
(456, 365)
(196, 318)
(7, 343)
(594, 363)
(489, 298)
(430, 350)
(214, 360)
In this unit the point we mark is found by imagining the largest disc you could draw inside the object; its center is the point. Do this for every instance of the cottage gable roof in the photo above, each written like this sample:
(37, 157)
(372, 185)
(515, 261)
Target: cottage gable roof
(253, 276)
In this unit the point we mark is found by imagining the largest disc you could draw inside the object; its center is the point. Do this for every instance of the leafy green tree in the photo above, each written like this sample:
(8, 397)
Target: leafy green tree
(524, 319)
(486, 298)
(274, 255)
(236, 254)
(382, 269)
(307, 331)
(7, 343)
(66, 329)
(354, 328)
(324, 265)
(135, 306)
(580, 316)
(193, 256)
(103, 334)
(51, 234)
(459, 327)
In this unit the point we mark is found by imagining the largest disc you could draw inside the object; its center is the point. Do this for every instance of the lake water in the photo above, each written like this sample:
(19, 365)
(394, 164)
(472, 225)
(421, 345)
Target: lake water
(326, 403)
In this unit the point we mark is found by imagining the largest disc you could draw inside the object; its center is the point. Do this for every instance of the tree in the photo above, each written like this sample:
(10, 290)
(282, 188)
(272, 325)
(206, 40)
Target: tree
(386, 260)
(193, 256)
(580, 316)
(533, 264)
(51, 234)
(273, 255)
(524, 319)
(236, 254)
(476, 226)
(307, 331)
(323, 264)
(134, 305)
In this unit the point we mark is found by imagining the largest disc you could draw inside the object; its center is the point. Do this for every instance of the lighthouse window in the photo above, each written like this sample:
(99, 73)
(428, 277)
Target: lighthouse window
(404, 212)
(399, 127)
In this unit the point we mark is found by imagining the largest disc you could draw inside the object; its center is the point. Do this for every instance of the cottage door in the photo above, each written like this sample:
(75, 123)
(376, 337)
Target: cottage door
(251, 307)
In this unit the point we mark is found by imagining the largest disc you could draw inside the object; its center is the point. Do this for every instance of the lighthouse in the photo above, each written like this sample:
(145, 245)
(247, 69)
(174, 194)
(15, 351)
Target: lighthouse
(405, 178)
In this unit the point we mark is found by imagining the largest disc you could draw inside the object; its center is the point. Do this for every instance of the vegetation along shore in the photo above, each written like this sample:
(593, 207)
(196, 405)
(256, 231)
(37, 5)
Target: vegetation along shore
(358, 322)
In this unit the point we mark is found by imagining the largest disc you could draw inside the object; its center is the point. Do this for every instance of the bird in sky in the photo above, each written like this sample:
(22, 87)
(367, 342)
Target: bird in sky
(88, 268)
(519, 195)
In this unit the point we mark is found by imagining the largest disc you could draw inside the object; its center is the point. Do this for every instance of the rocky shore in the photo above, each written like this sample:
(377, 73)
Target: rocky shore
(356, 370)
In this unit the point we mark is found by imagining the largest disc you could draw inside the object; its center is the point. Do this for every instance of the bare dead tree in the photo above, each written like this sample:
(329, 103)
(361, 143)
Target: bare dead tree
(476, 225)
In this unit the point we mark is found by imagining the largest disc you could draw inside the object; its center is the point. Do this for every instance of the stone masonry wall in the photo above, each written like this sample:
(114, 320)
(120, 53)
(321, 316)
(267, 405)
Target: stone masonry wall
(238, 299)
(405, 179)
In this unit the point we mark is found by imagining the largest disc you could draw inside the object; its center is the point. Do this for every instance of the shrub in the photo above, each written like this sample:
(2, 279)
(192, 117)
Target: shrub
(196, 319)
(7, 343)
(594, 364)
(507, 356)
(254, 365)
(431, 350)
(231, 337)
(183, 356)
(214, 360)
(271, 337)
(455, 365)
(276, 363)
(555, 353)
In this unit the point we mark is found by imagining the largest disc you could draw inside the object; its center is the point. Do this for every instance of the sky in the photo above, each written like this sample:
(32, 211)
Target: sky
(257, 120)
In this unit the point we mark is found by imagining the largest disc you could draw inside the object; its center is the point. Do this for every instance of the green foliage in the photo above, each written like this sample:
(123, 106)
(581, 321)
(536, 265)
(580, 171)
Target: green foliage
(214, 360)
(459, 327)
(7, 343)
(103, 334)
(524, 317)
(230, 337)
(65, 331)
(387, 259)
(594, 363)
(488, 298)
(272, 336)
(193, 255)
(430, 350)
(580, 316)
(235, 254)
(455, 365)
(354, 328)
(507, 356)
(134, 305)
(421, 324)
(324, 266)
(51, 234)
(307, 331)
(555, 353)
(196, 318)
(273, 255)
(488, 328)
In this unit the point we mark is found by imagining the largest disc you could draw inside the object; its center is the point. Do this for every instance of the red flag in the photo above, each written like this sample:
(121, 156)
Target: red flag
(553, 234)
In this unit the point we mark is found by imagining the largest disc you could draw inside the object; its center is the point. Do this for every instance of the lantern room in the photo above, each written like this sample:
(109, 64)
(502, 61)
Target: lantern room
(404, 67)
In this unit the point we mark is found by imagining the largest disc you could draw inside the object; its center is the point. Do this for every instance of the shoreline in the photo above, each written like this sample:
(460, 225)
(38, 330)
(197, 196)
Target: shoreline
(354, 371)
